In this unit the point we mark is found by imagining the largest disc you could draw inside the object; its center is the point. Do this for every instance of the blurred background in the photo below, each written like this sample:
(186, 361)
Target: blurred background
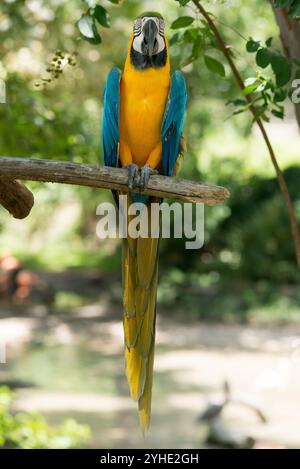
(228, 314)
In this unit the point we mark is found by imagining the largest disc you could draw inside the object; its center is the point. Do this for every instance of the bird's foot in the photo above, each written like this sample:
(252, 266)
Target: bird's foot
(133, 175)
(146, 172)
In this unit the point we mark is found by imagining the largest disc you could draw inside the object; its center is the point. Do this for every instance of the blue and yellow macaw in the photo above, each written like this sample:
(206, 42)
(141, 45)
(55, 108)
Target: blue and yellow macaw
(144, 109)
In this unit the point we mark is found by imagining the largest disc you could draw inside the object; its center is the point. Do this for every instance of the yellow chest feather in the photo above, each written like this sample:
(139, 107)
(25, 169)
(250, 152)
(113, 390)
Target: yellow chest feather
(143, 100)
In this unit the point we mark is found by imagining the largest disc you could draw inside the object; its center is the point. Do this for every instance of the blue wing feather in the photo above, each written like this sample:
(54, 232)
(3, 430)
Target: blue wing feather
(173, 121)
(111, 115)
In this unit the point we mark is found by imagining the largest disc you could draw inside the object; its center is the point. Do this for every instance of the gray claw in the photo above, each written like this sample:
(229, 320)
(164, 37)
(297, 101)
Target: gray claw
(133, 175)
(146, 172)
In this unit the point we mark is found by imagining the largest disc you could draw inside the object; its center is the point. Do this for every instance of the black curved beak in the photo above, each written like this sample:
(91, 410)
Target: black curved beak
(150, 31)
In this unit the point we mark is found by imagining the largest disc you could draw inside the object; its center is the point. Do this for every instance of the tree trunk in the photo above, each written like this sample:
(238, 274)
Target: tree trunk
(290, 38)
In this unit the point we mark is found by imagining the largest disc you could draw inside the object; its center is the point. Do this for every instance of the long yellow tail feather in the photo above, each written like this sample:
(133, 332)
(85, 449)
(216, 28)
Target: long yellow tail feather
(140, 272)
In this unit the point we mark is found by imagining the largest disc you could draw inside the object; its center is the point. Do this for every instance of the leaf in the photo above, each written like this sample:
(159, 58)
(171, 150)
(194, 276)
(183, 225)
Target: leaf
(250, 81)
(262, 87)
(191, 34)
(85, 25)
(88, 29)
(197, 47)
(183, 2)
(294, 10)
(265, 117)
(102, 16)
(283, 3)
(260, 113)
(237, 102)
(282, 69)
(269, 42)
(94, 40)
(214, 65)
(182, 22)
(252, 46)
(249, 89)
(263, 57)
(279, 95)
(239, 111)
(279, 114)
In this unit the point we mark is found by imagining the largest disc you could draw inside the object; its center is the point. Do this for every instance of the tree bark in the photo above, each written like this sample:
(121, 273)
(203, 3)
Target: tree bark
(102, 177)
(16, 198)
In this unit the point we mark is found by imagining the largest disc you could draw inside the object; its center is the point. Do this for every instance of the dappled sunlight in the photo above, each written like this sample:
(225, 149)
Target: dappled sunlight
(76, 368)
(15, 332)
(62, 402)
(68, 362)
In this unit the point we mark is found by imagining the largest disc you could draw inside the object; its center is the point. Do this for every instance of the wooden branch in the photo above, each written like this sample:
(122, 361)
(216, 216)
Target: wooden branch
(16, 198)
(108, 178)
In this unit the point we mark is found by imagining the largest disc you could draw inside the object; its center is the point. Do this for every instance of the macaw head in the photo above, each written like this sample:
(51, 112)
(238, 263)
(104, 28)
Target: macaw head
(149, 45)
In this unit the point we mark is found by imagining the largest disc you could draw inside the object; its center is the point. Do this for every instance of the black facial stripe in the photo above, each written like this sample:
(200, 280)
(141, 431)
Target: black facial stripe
(143, 62)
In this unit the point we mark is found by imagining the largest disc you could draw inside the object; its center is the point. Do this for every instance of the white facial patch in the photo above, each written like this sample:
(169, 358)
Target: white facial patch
(139, 34)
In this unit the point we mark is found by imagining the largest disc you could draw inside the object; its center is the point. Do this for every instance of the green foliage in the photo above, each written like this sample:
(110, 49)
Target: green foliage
(258, 234)
(62, 121)
(262, 91)
(182, 22)
(44, 129)
(293, 7)
(265, 56)
(252, 46)
(247, 240)
(30, 431)
(214, 65)
(102, 16)
(200, 38)
(88, 29)
(87, 24)
(267, 92)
